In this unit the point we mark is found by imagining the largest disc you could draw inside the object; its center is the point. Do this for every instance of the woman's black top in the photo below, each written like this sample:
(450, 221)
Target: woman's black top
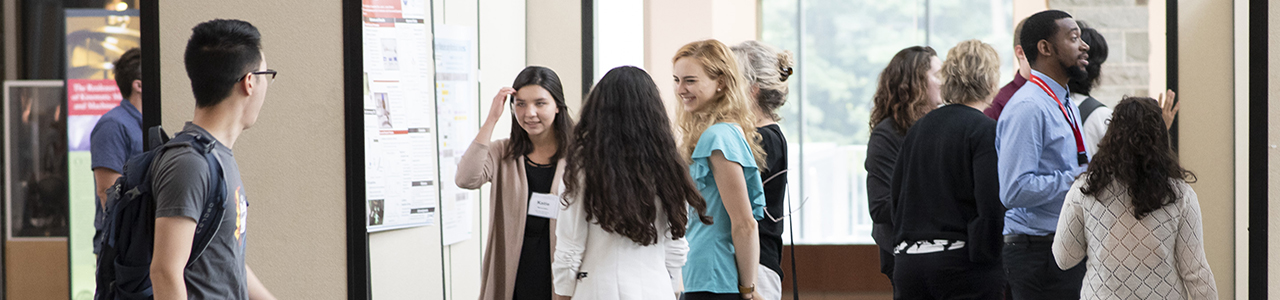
(775, 189)
(533, 276)
(882, 154)
(945, 184)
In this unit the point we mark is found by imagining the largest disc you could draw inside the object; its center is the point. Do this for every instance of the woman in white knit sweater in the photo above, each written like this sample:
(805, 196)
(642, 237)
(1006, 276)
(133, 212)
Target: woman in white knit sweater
(1134, 216)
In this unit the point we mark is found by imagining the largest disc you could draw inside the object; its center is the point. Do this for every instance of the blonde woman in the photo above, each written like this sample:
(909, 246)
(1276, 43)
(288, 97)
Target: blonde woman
(945, 193)
(718, 124)
(766, 70)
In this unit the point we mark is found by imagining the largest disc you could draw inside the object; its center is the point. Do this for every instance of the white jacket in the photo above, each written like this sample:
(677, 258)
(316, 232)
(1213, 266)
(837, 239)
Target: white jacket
(591, 263)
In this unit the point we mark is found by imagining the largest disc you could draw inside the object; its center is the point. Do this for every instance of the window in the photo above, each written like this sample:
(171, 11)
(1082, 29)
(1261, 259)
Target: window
(846, 45)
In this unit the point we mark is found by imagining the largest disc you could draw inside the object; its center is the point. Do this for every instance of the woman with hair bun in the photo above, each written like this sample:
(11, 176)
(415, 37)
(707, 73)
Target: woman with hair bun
(766, 70)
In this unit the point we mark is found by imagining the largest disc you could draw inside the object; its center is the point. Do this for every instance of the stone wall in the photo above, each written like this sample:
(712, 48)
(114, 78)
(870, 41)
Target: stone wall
(1123, 23)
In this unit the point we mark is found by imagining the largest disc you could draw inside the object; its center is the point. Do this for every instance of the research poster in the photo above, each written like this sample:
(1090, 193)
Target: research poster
(95, 39)
(458, 120)
(401, 170)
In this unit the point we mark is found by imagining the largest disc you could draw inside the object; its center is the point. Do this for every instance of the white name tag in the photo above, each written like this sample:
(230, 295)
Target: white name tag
(544, 205)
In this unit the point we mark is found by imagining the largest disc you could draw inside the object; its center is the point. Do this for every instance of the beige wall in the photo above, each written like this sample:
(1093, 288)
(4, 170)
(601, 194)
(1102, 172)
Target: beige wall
(554, 40)
(1273, 154)
(1206, 126)
(670, 24)
(1125, 26)
(292, 160)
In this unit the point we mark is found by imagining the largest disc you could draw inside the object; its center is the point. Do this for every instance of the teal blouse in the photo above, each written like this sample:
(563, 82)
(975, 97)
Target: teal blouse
(711, 264)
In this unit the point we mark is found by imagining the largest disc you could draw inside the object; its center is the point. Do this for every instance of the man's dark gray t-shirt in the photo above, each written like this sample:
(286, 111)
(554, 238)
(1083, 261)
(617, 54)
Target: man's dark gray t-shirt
(180, 180)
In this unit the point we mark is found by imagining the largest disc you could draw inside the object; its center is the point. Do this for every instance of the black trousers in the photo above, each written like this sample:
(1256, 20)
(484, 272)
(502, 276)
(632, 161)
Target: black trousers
(886, 264)
(946, 275)
(1034, 275)
(709, 296)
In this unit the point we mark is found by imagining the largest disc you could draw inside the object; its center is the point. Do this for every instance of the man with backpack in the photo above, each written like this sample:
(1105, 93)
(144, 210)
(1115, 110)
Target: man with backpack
(229, 79)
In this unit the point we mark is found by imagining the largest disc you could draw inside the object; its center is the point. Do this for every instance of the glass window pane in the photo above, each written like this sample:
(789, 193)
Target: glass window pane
(845, 46)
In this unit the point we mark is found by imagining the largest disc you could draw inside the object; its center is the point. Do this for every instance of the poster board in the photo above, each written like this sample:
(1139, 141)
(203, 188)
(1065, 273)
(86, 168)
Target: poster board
(96, 38)
(458, 121)
(401, 172)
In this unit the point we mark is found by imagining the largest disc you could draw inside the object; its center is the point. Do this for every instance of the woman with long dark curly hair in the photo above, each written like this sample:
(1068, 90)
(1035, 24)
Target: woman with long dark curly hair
(627, 193)
(1134, 204)
(909, 87)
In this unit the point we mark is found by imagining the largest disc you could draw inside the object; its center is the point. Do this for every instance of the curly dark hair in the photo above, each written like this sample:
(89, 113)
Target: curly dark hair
(903, 89)
(623, 161)
(1135, 154)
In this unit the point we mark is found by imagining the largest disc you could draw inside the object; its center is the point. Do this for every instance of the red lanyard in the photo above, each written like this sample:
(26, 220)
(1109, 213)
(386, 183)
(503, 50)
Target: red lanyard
(1080, 153)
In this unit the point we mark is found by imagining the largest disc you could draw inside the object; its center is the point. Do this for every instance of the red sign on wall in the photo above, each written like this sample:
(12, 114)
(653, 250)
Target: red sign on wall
(91, 96)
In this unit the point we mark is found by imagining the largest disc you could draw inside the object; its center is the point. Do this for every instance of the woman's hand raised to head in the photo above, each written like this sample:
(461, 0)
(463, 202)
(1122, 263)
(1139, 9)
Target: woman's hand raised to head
(495, 113)
(499, 103)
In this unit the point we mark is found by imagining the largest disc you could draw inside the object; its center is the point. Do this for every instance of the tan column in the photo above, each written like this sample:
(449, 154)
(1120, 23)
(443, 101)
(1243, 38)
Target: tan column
(1205, 128)
(670, 24)
(291, 161)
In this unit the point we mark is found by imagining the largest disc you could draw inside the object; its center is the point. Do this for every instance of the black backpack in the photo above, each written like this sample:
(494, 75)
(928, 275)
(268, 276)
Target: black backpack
(1087, 107)
(124, 264)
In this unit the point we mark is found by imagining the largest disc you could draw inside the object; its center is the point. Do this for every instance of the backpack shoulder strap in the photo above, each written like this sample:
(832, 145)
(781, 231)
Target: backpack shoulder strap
(214, 208)
(210, 221)
(1088, 106)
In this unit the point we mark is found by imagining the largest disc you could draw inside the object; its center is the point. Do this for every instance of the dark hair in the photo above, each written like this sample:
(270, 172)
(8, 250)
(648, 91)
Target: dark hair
(624, 159)
(1097, 56)
(219, 54)
(1017, 33)
(563, 125)
(903, 90)
(1040, 26)
(1135, 154)
(127, 69)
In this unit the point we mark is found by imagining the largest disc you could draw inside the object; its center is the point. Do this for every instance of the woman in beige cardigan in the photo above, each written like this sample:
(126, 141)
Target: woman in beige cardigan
(525, 171)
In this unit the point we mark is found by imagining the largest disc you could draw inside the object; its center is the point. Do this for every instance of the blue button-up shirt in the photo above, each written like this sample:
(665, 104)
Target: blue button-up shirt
(1037, 157)
(115, 138)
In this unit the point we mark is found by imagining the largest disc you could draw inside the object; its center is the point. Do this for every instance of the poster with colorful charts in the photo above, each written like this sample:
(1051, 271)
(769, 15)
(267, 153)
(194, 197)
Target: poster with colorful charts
(401, 172)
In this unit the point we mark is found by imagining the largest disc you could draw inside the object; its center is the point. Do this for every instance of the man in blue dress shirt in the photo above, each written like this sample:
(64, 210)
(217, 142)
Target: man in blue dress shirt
(117, 135)
(1040, 153)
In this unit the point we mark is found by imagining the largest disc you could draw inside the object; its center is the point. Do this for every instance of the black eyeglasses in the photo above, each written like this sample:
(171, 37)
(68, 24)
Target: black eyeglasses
(267, 72)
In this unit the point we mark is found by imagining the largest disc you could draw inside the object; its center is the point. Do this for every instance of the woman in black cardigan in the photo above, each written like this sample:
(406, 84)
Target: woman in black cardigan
(945, 193)
(909, 88)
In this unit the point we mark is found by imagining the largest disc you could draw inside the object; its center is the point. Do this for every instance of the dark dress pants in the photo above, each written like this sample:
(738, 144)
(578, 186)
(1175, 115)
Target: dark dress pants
(946, 275)
(1034, 274)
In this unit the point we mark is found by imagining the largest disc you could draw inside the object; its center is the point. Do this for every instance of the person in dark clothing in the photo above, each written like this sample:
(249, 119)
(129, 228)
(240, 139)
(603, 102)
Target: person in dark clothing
(1019, 79)
(766, 70)
(909, 88)
(945, 193)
